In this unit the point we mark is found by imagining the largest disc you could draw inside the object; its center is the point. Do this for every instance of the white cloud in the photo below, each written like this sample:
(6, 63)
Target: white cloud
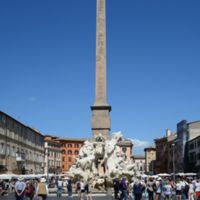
(139, 143)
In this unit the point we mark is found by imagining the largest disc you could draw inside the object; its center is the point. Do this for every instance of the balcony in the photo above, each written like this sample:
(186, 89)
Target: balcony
(20, 157)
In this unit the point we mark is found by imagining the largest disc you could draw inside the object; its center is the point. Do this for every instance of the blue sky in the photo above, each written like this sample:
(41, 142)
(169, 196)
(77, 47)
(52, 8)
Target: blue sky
(47, 65)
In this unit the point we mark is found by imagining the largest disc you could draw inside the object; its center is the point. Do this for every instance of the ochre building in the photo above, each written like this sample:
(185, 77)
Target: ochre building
(70, 148)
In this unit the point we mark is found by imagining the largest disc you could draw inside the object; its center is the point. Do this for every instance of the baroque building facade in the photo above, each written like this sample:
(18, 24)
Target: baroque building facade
(70, 148)
(150, 157)
(194, 155)
(178, 152)
(52, 154)
(139, 162)
(21, 147)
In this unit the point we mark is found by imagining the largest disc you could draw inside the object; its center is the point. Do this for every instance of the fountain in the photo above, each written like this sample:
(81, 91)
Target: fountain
(101, 160)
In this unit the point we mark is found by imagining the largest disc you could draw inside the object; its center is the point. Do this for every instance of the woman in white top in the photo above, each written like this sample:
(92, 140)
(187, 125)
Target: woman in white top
(191, 194)
(82, 187)
(168, 190)
(179, 190)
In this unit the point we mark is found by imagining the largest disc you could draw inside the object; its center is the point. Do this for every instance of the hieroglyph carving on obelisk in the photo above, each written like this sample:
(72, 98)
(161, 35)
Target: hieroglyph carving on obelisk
(101, 109)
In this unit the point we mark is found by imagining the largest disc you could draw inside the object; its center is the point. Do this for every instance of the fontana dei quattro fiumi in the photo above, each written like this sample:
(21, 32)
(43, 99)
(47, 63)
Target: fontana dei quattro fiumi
(101, 158)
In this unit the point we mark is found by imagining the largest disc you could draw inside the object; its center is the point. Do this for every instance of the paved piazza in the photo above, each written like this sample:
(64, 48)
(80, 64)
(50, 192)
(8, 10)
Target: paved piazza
(94, 197)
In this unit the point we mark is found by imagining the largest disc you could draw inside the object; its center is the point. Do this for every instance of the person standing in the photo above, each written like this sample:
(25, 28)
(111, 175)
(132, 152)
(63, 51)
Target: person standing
(78, 189)
(150, 189)
(59, 187)
(197, 189)
(20, 186)
(87, 191)
(137, 190)
(82, 187)
(158, 189)
(29, 191)
(167, 190)
(123, 188)
(116, 185)
(69, 189)
(191, 194)
(179, 190)
(42, 189)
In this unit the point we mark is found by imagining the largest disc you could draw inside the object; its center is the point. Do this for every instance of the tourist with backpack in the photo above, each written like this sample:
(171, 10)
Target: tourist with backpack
(137, 190)
(42, 189)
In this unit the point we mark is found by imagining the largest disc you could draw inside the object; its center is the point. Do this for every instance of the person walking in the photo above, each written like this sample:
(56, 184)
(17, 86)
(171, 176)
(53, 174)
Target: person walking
(20, 186)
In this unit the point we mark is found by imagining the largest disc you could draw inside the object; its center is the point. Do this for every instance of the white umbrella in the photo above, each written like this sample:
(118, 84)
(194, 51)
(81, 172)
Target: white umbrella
(8, 176)
(180, 174)
(190, 174)
(163, 174)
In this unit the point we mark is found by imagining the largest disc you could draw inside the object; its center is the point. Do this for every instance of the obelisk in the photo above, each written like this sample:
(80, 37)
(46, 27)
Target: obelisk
(101, 109)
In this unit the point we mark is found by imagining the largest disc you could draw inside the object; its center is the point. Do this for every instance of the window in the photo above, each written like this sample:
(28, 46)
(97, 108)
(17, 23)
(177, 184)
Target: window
(198, 156)
(8, 149)
(13, 151)
(69, 145)
(69, 152)
(70, 159)
(63, 152)
(2, 148)
(124, 149)
(63, 159)
(63, 166)
(76, 145)
(76, 152)
(192, 146)
(192, 157)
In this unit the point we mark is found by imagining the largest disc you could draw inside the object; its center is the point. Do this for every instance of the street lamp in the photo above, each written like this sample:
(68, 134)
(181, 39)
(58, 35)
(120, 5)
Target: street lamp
(173, 157)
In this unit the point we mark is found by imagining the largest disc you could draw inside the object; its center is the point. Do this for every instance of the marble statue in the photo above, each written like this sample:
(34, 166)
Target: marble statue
(102, 160)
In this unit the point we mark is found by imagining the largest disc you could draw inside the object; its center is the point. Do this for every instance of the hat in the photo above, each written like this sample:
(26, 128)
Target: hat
(159, 179)
(21, 178)
(42, 180)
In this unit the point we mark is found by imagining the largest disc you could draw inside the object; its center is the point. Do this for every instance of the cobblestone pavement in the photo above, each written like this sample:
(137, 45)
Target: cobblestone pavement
(94, 197)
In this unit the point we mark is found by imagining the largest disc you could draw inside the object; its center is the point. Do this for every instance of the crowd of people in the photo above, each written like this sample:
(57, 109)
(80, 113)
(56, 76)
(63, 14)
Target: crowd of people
(38, 189)
(138, 189)
(157, 188)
